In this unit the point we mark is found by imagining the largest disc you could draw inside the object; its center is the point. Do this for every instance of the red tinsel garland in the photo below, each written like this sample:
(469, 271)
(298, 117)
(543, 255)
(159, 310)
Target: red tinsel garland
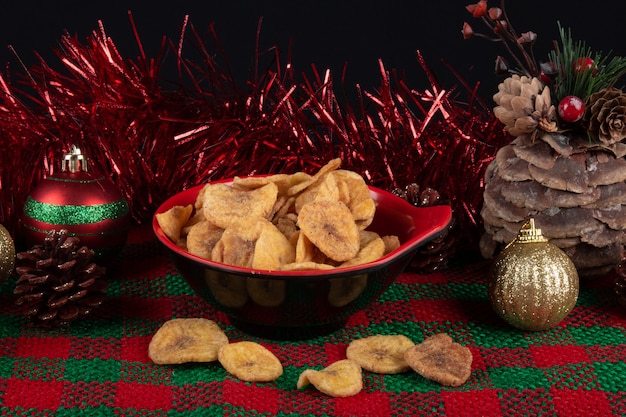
(156, 141)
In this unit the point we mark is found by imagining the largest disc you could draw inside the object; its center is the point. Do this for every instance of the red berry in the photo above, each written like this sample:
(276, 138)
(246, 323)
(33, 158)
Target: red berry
(571, 109)
(584, 64)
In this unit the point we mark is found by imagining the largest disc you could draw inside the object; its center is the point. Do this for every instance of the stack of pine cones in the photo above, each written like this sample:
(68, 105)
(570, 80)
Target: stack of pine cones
(574, 188)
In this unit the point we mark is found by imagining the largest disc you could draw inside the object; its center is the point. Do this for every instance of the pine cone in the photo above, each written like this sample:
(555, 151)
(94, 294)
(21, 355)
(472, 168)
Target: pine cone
(438, 252)
(57, 281)
(605, 115)
(524, 106)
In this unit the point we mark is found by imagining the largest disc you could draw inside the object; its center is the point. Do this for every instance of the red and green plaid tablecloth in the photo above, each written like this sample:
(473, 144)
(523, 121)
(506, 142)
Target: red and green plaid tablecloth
(100, 366)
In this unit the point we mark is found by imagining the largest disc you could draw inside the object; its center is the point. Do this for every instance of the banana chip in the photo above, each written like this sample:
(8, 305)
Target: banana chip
(359, 200)
(323, 189)
(368, 252)
(343, 378)
(331, 227)
(305, 266)
(250, 361)
(383, 354)
(304, 181)
(224, 205)
(173, 220)
(186, 340)
(202, 238)
(440, 359)
(272, 248)
(238, 242)
(391, 243)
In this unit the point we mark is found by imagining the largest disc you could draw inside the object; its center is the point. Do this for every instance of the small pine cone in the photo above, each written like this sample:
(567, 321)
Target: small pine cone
(605, 115)
(57, 281)
(438, 252)
(524, 106)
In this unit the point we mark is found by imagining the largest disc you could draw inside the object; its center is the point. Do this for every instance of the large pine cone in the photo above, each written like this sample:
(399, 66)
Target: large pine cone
(575, 192)
(605, 115)
(524, 105)
(58, 282)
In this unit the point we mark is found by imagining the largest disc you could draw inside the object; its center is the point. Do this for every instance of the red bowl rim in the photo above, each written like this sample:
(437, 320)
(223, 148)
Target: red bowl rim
(438, 217)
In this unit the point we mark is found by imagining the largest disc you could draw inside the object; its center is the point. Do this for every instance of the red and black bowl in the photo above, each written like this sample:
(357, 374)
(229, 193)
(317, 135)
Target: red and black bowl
(294, 305)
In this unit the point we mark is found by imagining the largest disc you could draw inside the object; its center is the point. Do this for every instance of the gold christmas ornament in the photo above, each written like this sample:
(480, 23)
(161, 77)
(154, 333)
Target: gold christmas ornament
(533, 284)
(7, 254)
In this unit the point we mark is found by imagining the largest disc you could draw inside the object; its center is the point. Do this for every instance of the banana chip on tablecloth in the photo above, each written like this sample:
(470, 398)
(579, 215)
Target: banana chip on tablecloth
(343, 378)
(250, 361)
(383, 354)
(441, 359)
(186, 340)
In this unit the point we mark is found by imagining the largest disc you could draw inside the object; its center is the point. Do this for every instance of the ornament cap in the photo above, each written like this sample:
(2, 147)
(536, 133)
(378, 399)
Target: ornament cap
(530, 234)
(75, 161)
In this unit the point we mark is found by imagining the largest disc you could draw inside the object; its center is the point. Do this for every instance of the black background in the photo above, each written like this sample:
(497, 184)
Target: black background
(326, 34)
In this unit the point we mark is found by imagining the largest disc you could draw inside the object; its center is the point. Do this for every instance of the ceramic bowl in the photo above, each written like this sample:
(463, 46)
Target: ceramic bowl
(293, 305)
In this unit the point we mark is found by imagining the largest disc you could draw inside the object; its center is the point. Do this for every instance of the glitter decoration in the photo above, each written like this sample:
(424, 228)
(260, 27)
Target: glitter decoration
(533, 284)
(7, 254)
(82, 201)
(67, 214)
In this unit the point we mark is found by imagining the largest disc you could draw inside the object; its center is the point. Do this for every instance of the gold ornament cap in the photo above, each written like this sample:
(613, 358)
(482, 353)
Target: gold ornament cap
(528, 233)
(75, 161)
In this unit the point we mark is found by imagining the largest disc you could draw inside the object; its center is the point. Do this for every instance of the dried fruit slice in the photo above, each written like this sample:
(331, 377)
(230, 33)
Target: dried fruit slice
(383, 354)
(341, 379)
(173, 220)
(391, 243)
(369, 252)
(304, 266)
(287, 226)
(325, 188)
(238, 242)
(440, 359)
(250, 361)
(329, 225)
(359, 199)
(186, 340)
(223, 204)
(306, 251)
(202, 238)
(272, 248)
(251, 183)
(304, 182)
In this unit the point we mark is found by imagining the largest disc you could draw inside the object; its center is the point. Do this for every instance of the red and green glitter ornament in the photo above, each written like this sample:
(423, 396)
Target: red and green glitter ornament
(84, 202)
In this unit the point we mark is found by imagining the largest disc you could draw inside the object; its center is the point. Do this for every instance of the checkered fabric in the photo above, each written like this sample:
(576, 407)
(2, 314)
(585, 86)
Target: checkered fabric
(100, 366)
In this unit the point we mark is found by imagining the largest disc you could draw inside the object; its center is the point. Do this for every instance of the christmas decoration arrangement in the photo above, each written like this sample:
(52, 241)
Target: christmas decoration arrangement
(156, 138)
(564, 166)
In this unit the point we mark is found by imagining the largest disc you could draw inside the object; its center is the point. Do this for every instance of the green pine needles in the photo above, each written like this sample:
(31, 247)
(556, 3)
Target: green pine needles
(581, 72)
